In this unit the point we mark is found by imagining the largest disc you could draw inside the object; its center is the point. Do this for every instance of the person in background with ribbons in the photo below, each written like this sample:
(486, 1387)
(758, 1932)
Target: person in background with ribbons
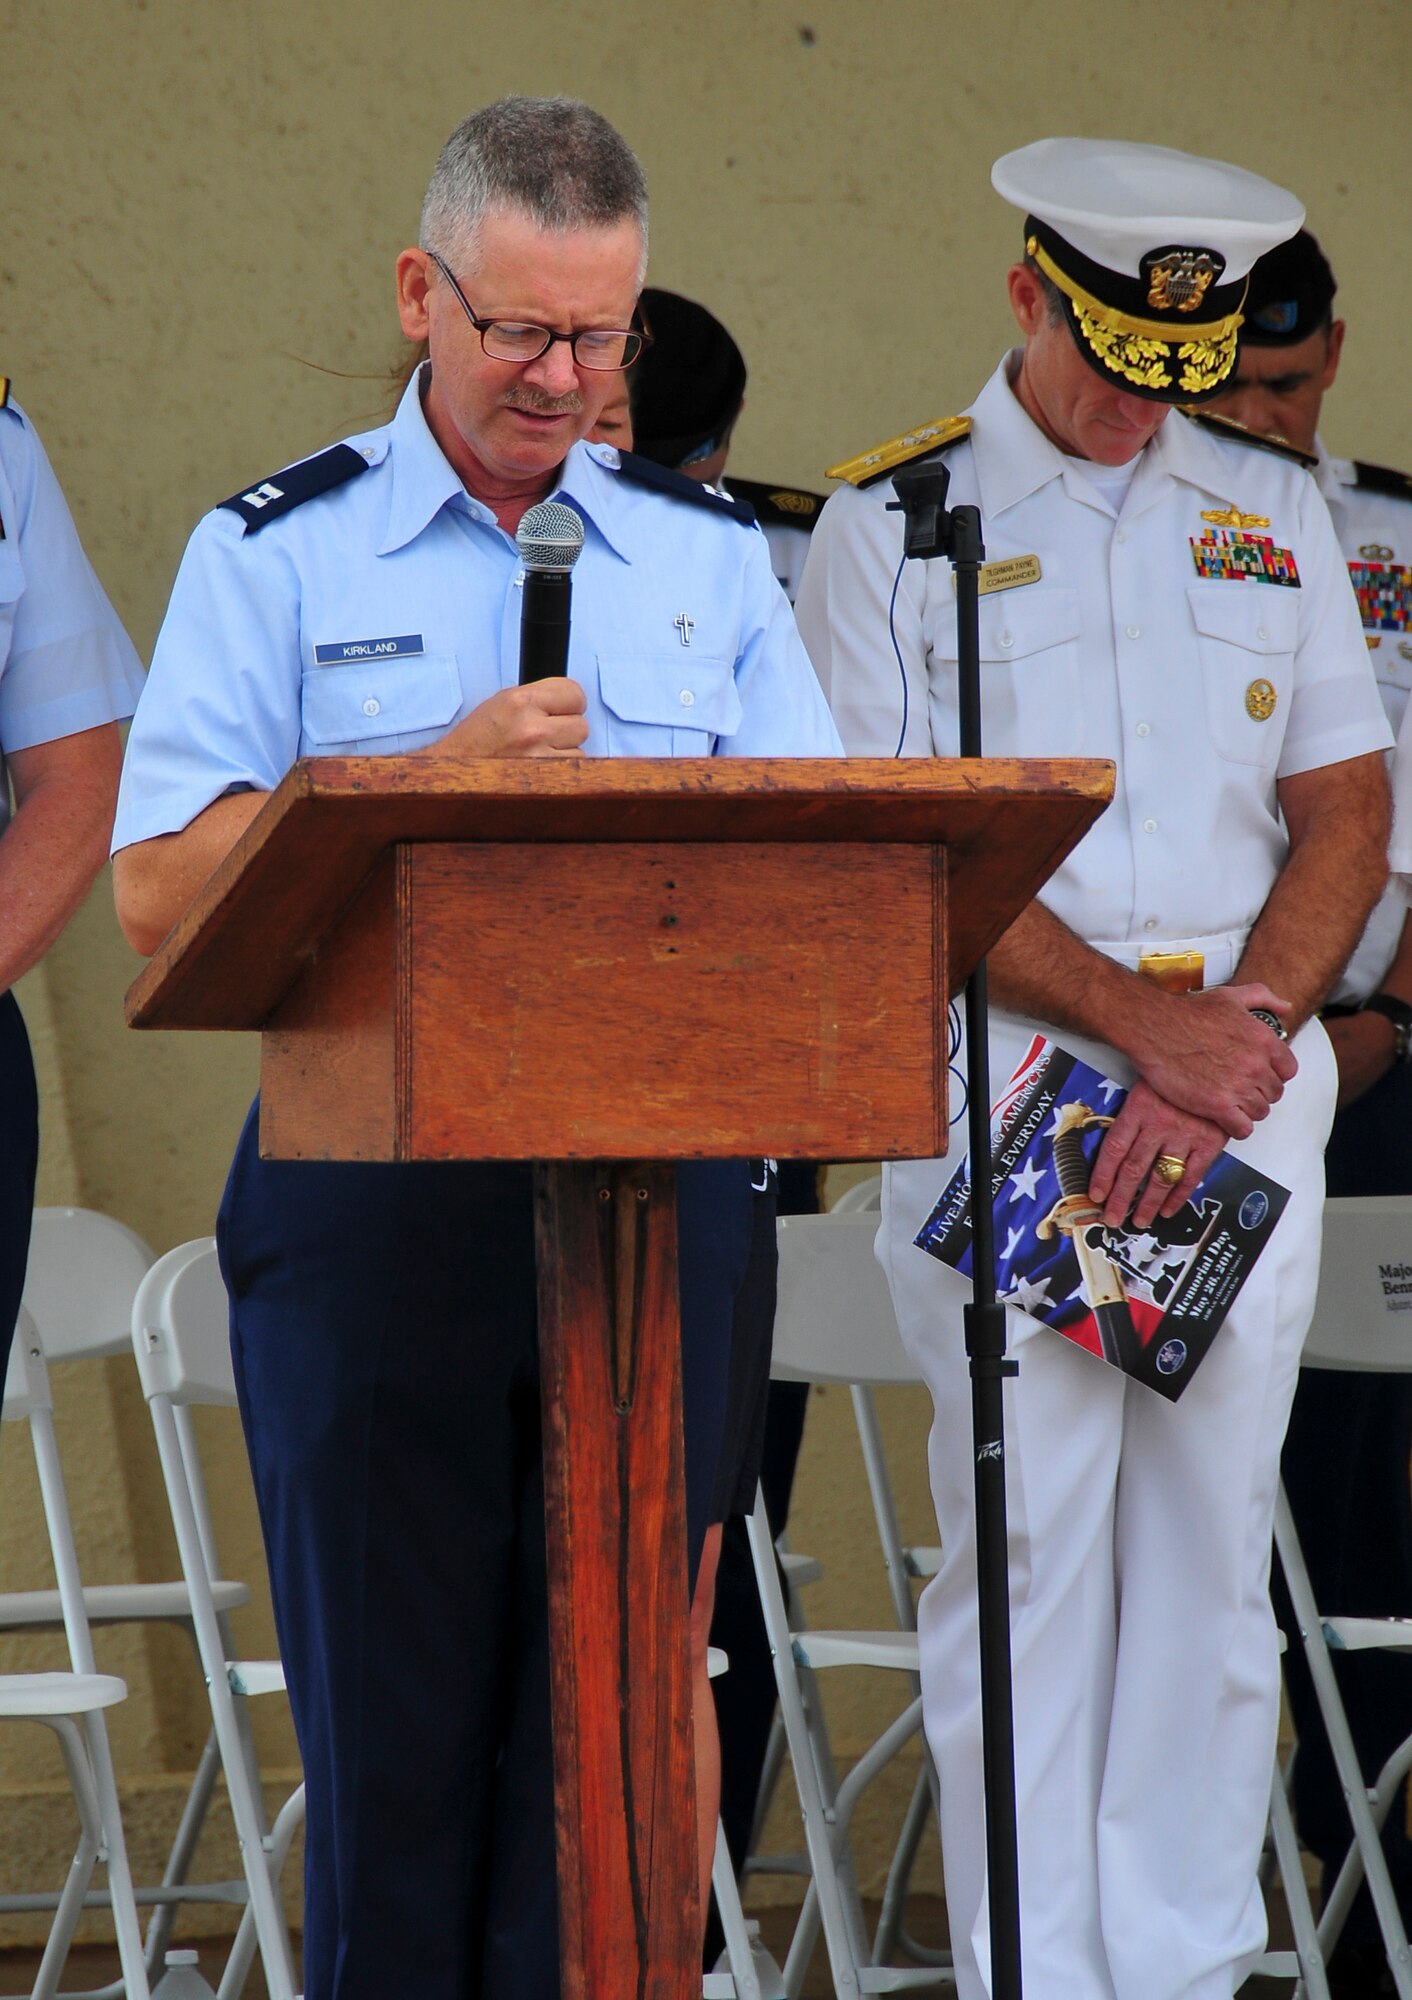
(1162, 593)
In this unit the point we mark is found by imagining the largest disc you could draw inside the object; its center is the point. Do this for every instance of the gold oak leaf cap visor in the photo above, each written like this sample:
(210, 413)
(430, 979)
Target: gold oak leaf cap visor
(1150, 250)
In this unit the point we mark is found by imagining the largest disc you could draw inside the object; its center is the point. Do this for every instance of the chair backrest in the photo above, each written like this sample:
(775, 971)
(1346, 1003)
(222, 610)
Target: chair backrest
(1363, 1313)
(83, 1271)
(180, 1329)
(834, 1321)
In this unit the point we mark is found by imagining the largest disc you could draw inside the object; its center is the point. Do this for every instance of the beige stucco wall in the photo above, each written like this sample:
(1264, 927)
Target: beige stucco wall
(199, 209)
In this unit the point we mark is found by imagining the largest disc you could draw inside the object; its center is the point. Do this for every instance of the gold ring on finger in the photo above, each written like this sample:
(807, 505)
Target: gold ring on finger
(1168, 1169)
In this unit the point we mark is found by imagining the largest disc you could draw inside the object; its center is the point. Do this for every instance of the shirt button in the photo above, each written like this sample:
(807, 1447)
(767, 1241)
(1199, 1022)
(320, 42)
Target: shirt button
(1149, 826)
(1260, 631)
(1007, 639)
(1144, 729)
(1150, 924)
(1134, 631)
(687, 698)
(1121, 535)
(372, 706)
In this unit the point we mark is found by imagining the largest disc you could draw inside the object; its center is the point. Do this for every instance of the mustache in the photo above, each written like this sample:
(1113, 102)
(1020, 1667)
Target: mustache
(539, 405)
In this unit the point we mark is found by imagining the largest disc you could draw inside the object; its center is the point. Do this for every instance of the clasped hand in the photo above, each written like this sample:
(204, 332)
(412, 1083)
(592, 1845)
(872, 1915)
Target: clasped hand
(1207, 1072)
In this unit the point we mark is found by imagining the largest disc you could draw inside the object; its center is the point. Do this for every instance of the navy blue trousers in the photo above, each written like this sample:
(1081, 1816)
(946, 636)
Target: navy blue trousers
(1345, 1468)
(384, 1334)
(19, 1160)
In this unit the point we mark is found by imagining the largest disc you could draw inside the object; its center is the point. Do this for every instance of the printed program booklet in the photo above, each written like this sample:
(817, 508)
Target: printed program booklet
(1149, 1301)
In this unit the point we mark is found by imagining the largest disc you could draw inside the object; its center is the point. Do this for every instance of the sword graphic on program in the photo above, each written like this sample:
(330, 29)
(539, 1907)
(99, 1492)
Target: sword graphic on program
(1078, 1217)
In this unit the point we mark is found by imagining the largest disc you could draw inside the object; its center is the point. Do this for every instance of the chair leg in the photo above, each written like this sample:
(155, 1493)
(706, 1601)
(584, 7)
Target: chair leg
(66, 1916)
(1365, 1832)
(183, 1852)
(1313, 1979)
(745, 1980)
(125, 1923)
(891, 1935)
(241, 1956)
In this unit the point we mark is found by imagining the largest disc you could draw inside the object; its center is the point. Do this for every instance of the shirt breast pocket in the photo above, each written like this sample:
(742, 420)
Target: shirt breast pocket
(376, 708)
(667, 704)
(1247, 634)
(1031, 692)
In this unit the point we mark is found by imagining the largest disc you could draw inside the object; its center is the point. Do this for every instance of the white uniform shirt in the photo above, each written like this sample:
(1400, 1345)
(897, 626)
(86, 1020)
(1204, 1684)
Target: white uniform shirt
(66, 664)
(1375, 533)
(1121, 649)
(371, 618)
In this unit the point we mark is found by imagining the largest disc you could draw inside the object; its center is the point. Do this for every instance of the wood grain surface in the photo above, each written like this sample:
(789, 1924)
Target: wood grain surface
(625, 1785)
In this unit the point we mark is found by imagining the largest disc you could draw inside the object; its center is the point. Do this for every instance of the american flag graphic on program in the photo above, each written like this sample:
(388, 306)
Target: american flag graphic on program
(1148, 1301)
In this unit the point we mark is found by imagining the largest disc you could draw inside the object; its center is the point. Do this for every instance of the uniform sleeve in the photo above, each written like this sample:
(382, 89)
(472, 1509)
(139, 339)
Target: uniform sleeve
(860, 613)
(1337, 712)
(221, 709)
(784, 713)
(66, 664)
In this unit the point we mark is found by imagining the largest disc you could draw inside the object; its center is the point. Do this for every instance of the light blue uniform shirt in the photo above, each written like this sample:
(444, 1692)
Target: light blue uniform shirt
(66, 663)
(372, 617)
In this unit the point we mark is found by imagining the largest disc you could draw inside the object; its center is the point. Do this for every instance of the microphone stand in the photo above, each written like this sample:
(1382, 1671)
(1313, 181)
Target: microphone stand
(931, 531)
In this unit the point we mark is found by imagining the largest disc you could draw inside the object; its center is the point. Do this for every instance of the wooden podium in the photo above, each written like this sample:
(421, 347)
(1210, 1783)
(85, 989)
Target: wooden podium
(605, 965)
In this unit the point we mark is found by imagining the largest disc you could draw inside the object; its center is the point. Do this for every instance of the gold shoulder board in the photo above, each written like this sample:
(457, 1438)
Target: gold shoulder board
(4, 391)
(1227, 427)
(884, 458)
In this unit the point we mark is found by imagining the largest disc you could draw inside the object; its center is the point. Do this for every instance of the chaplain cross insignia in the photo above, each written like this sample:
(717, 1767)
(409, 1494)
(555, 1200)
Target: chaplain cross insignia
(685, 626)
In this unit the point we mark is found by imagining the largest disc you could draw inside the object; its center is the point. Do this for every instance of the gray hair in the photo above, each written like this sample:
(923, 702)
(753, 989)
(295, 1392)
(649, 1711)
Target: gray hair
(552, 159)
(1053, 297)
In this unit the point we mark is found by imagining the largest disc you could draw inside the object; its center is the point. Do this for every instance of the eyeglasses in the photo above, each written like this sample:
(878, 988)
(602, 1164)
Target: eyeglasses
(512, 340)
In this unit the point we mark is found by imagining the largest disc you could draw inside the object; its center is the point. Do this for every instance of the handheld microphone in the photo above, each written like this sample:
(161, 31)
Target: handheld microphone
(549, 539)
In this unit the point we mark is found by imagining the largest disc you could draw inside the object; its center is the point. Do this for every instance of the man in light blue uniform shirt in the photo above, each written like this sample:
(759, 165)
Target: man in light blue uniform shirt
(68, 675)
(368, 600)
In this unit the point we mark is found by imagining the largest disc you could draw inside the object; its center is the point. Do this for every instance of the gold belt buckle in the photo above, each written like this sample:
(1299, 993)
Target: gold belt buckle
(1174, 971)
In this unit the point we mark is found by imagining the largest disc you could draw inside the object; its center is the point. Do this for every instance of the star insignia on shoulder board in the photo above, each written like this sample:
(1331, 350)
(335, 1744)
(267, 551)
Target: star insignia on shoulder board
(871, 465)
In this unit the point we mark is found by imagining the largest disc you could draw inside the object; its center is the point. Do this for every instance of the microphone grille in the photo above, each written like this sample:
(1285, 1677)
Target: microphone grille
(550, 536)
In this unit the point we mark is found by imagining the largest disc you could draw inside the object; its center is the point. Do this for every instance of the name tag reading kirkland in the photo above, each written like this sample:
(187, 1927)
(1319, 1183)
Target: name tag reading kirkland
(1005, 575)
(348, 651)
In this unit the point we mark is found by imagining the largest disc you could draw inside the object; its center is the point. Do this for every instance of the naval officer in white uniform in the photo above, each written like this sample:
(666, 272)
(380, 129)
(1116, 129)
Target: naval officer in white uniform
(1178, 604)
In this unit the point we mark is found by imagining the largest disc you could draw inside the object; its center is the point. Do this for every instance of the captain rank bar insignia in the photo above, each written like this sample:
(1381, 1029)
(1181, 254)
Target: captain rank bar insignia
(1243, 558)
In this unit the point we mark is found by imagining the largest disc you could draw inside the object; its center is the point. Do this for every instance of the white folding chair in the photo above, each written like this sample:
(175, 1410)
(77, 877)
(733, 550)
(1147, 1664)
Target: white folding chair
(71, 1704)
(1362, 1322)
(834, 1324)
(180, 1335)
(83, 1273)
(905, 1563)
(746, 1971)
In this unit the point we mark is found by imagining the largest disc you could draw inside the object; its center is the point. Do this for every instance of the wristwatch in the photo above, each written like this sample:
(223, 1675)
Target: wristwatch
(1399, 1012)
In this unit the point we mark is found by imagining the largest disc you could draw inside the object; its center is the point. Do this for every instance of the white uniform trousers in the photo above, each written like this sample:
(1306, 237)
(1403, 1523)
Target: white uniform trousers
(1146, 1671)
